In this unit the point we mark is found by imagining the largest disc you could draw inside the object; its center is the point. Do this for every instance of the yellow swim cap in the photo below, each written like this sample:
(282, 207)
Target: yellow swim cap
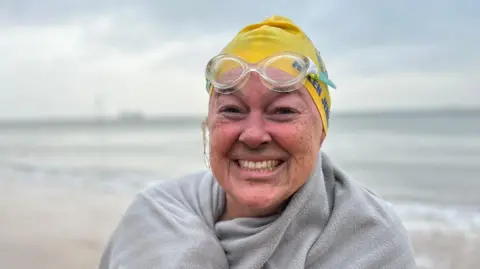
(278, 34)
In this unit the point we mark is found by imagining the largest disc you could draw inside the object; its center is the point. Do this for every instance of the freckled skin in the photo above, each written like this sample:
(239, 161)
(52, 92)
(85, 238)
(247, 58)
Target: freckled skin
(255, 122)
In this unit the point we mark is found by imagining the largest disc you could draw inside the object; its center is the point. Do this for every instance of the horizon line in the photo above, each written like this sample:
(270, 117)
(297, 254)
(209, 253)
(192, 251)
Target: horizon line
(158, 117)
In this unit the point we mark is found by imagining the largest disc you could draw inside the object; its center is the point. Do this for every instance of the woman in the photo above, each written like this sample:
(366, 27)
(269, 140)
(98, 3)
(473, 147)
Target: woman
(271, 200)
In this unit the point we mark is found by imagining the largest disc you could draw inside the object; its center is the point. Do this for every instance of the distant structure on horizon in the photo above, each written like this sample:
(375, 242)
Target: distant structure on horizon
(131, 116)
(124, 115)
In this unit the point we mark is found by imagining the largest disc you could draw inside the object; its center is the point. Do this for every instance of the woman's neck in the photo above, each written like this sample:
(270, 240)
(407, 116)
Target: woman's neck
(234, 210)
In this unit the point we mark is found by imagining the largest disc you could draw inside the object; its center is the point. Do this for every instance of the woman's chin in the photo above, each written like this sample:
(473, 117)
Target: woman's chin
(260, 198)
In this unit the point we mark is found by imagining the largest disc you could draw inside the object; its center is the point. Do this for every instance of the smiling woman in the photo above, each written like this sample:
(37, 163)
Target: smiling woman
(255, 129)
(271, 199)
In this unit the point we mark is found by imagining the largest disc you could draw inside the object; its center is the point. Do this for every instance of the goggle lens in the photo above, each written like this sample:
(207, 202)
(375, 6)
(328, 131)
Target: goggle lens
(280, 73)
(285, 69)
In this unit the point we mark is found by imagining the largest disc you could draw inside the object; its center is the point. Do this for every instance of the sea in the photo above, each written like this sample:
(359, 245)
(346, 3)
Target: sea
(426, 163)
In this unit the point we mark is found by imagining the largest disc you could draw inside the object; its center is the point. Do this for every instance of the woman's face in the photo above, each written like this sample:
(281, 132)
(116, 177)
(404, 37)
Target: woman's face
(263, 145)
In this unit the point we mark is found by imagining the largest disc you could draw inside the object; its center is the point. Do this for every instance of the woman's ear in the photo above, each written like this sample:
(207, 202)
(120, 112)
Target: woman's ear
(322, 137)
(204, 127)
(205, 141)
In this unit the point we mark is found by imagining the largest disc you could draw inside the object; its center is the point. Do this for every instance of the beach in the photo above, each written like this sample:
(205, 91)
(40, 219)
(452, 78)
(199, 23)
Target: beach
(447, 249)
(56, 228)
(64, 188)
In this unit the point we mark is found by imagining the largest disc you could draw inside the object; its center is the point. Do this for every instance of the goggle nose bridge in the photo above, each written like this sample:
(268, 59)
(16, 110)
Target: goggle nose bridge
(259, 69)
(260, 66)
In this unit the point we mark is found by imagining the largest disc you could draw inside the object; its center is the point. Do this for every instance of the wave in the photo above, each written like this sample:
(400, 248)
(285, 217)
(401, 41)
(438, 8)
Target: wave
(426, 217)
(418, 215)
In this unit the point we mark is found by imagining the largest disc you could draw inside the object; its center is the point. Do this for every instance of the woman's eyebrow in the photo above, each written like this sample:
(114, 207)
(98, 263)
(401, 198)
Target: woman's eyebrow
(270, 97)
(236, 96)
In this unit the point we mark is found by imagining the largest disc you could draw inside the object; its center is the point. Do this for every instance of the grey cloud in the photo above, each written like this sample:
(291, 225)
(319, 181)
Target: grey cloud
(143, 24)
(446, 26)
(394, 59)
(361, 22)
(439, 35)
(185, 14)
(367, 22)
(32, 12)
(335, 28)
(370, 38)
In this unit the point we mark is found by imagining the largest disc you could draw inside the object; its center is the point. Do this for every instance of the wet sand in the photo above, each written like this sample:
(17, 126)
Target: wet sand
(447, 250)
(52, 228)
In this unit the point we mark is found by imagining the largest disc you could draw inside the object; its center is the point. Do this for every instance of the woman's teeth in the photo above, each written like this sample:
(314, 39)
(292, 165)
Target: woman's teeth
(263, 166)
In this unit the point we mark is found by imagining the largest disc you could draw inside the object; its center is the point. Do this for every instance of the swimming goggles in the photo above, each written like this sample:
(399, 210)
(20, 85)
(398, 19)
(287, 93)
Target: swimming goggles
(283, 72)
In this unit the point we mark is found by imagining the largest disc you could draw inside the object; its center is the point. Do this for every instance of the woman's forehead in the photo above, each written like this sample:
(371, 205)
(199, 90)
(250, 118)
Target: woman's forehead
(255, 92)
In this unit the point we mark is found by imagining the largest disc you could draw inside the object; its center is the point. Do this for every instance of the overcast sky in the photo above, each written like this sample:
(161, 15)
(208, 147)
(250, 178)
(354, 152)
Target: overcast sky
(61, 57)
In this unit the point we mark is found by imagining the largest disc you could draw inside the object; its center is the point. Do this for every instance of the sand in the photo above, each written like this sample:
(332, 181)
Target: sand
(447, 249)
(55, 228)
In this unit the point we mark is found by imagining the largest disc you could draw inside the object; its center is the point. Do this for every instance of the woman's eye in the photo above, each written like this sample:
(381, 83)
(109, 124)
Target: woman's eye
(230, 109)
(284, 110)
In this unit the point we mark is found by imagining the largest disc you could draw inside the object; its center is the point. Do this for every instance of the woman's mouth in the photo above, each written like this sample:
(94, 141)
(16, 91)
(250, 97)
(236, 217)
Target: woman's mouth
(259, 166)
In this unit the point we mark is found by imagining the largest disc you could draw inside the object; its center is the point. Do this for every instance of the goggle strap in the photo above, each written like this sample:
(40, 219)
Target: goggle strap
(323, 76)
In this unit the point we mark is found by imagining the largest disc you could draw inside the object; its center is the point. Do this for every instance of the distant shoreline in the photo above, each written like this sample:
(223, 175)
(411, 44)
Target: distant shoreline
(156, 120)
(104, 122)
(414, 112)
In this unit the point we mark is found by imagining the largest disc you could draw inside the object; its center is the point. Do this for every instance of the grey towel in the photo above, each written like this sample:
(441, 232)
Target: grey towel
(332, 222)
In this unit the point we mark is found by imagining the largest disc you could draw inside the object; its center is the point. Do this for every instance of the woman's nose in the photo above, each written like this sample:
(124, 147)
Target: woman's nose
(255, 134)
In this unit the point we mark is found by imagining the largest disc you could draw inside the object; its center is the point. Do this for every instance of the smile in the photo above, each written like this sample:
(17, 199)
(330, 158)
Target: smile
(259, 166)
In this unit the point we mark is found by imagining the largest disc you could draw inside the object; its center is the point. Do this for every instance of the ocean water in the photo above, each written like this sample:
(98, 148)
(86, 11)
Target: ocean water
(426, 164)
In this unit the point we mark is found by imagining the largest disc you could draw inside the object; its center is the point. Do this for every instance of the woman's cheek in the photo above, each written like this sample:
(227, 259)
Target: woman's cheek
(294, 138)
(222, 138)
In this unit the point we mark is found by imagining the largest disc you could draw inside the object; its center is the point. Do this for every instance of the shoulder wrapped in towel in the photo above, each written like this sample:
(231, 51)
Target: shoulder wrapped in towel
(330, 223)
